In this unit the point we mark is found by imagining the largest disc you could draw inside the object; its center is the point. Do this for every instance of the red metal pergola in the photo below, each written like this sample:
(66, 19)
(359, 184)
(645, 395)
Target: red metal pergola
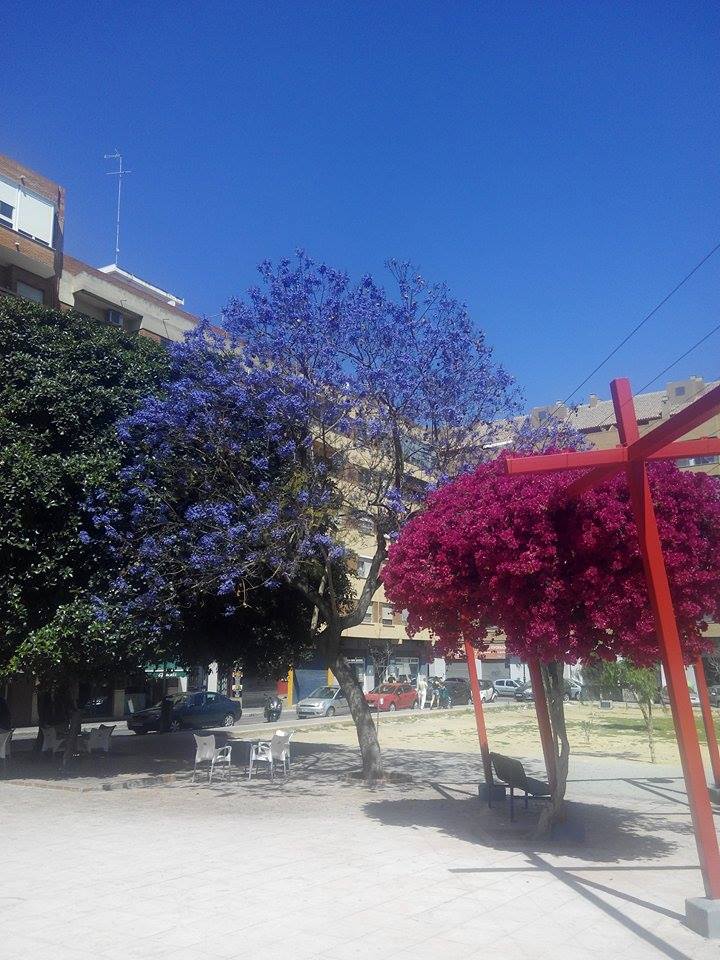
(632, 456)
(662, 443)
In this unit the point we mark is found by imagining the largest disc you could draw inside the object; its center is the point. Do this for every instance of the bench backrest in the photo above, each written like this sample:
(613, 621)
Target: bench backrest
(509, 770)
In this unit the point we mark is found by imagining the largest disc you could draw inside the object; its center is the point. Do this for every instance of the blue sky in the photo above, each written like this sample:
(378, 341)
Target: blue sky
(555, 163)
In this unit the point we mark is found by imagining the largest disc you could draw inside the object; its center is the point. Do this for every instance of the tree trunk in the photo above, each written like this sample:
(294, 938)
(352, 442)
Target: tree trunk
(554, 683)
(361, 714)
(646, 710)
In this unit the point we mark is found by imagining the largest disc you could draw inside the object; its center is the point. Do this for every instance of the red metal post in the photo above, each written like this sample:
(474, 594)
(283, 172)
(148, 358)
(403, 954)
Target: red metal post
(543, 718)
(479, 714)
(671, 652)
(708, 722)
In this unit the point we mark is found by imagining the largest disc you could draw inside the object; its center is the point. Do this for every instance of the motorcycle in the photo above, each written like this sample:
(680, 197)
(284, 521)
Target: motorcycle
(273, 709)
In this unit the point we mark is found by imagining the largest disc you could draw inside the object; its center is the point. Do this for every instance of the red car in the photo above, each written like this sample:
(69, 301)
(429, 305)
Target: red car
(392, 696)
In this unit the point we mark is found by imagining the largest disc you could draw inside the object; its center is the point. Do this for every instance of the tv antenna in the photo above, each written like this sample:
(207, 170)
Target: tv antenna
(119, 173)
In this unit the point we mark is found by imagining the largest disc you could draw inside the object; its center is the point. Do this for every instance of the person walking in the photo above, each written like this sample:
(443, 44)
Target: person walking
(422, 690)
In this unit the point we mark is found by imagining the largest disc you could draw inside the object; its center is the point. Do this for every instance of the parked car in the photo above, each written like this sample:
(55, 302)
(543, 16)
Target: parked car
(506, 687)
(323, 702)
(189, 710)
(392, 696)
(488, 693)
(573, 690)
(665, 698)
(459, 690)
(524, 692)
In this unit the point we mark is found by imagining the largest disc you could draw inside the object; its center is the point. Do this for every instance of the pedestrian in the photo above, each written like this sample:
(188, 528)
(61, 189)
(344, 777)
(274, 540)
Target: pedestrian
(422, 690)
(5, 720)
(166, 712)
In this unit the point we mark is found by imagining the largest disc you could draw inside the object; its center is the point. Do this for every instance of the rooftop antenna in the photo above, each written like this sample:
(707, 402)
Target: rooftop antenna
(119, 173)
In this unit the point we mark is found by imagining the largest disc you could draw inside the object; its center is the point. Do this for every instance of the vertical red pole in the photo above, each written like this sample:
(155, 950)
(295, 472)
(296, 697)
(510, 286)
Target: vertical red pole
(543, 719)
(707, 716)
(671, 652)
(479, 714)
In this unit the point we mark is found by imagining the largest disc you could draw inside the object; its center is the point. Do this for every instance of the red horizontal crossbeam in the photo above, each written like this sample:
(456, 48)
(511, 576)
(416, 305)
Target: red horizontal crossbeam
(615, 457)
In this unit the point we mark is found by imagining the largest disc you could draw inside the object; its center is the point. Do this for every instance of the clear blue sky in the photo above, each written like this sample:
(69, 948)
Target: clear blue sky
(555, 163)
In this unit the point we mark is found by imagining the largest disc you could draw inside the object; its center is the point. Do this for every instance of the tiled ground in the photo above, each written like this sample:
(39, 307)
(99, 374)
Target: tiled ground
(320, 868)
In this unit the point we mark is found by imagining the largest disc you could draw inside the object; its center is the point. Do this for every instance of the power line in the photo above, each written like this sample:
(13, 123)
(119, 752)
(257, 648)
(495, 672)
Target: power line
(644, 320)
(682, 356)
(677, 360)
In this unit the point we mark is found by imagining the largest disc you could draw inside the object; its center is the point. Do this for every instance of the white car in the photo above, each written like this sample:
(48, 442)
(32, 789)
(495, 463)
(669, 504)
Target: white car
(506, 687)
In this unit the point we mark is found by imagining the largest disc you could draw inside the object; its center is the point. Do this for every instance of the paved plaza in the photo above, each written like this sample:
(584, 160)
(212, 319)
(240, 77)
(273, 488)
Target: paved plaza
(323, 868)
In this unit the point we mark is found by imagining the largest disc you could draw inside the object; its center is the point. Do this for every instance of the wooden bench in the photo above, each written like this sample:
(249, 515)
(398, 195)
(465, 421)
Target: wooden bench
(512, 772)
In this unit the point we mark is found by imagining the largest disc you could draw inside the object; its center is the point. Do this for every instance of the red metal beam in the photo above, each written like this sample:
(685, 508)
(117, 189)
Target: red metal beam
(570, 460)
(479, 713)
(671, 652)
(610, 460)
(677, 426)
(710, 734)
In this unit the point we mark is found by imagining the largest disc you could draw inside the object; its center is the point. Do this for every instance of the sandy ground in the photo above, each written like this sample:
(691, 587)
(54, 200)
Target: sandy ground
(618, 732)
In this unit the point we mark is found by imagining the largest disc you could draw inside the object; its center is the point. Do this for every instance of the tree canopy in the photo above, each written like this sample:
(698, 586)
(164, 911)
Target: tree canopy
(215, 515)
(65, 382)
(563, 579)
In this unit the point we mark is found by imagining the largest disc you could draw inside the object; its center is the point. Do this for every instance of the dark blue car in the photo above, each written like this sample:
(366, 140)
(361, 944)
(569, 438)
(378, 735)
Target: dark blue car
(189, 710)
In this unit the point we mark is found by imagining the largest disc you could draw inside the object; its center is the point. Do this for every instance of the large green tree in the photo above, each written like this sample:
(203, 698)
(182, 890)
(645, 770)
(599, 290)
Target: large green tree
(65, 382)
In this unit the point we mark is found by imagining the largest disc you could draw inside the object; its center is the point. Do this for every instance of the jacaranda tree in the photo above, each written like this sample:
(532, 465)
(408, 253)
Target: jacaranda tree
(325, 405)
(399, 390)
(562, 578)
(65, 382)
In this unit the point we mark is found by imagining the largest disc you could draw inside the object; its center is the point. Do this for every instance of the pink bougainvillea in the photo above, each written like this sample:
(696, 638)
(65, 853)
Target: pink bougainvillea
(562, 579)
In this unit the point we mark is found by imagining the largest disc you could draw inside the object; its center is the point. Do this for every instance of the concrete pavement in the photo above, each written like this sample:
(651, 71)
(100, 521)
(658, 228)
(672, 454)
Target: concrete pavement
(323, 868)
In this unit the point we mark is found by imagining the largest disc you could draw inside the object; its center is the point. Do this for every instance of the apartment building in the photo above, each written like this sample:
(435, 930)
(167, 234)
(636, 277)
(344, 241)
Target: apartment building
(34, 265)
(595, 420)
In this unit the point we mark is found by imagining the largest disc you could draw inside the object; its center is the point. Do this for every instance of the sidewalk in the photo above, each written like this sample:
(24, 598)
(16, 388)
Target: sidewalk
(322, 868)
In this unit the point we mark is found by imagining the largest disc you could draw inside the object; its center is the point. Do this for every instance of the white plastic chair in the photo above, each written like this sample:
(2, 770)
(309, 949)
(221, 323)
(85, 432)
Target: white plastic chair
(272, 752)
(99, 739)
(207, 752)
(5, 737)
(51, 742)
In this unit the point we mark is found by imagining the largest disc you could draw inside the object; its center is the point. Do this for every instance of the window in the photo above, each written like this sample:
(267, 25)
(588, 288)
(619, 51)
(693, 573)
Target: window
(363, 568)
(30, 293)
(679, 391)
(387, 615)
(30, 214)
(702, 461)
(7, 213)
(366, 525)
(114, 317)
(368, 618)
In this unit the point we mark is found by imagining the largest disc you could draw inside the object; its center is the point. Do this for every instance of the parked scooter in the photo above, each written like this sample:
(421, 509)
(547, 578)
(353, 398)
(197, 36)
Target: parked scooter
(273, 709)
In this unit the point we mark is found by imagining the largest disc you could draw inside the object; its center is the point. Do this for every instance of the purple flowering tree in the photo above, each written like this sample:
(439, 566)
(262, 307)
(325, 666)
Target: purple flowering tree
(304, 434)
(397, 392)
(215, 514)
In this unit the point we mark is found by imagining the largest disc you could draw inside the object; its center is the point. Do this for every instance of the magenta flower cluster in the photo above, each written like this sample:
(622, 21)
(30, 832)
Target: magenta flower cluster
(562, 579)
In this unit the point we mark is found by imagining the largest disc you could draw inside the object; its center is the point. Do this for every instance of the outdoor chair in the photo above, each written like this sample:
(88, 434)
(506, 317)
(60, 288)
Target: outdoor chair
(272, 752)
(5, 738)
(512, 772)
(51, 742)
(98, 739)
(207, 752)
